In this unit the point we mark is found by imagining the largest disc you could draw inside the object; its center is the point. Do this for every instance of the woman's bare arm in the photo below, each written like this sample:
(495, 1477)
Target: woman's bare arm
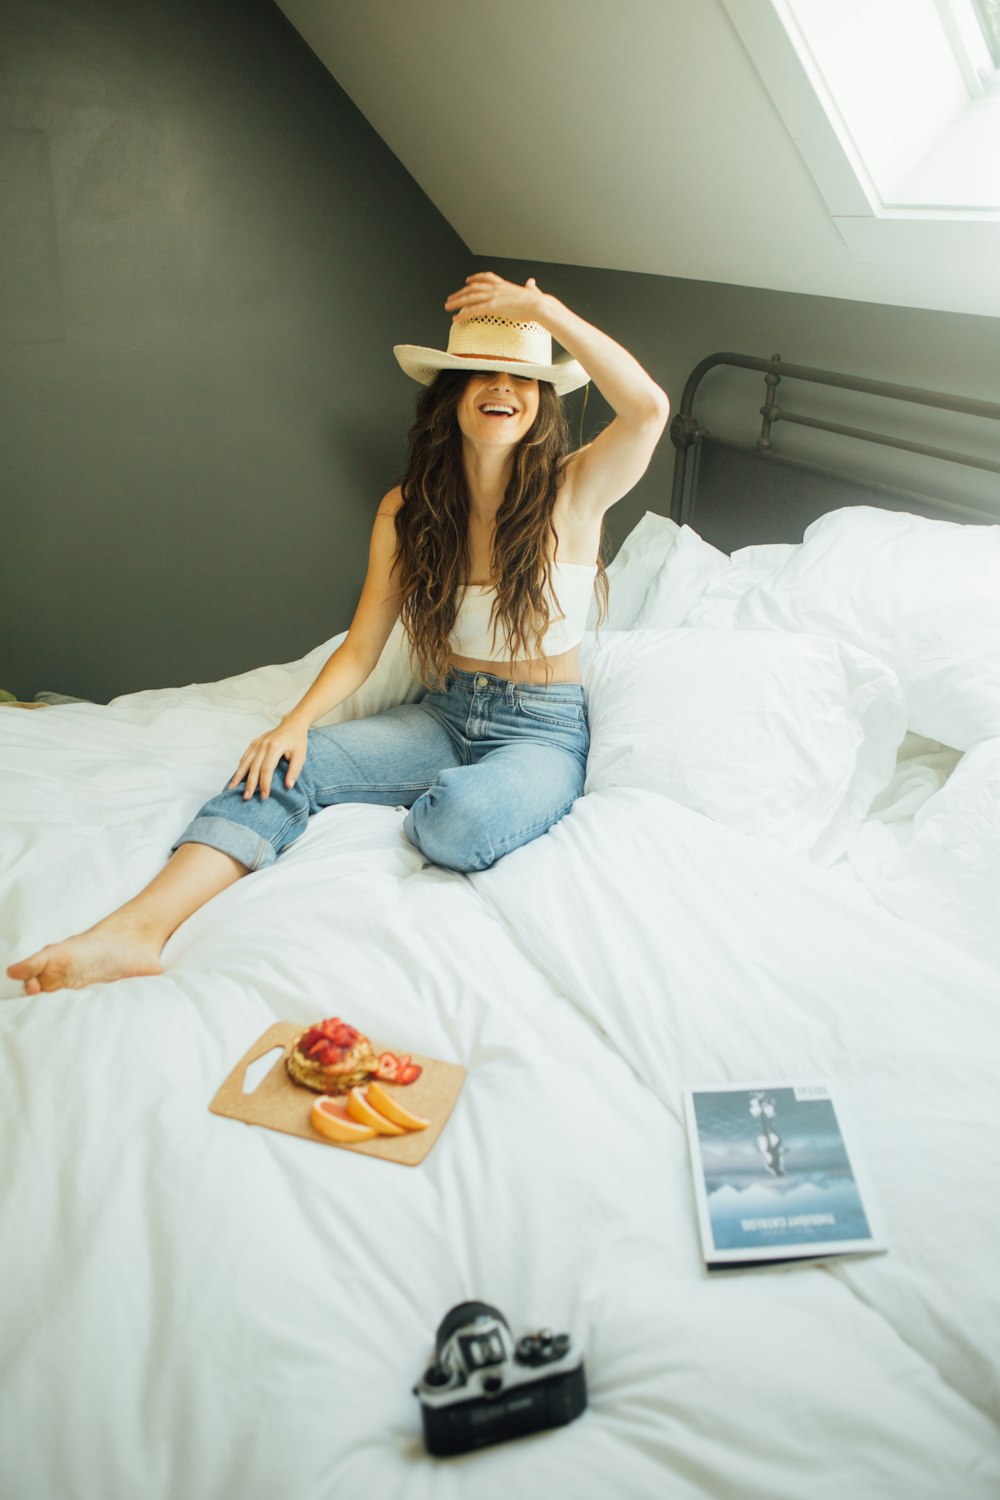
(616, 460)
(345, 670)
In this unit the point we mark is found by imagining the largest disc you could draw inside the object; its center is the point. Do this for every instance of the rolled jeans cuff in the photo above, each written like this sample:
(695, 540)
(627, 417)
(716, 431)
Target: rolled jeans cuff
(229, 838)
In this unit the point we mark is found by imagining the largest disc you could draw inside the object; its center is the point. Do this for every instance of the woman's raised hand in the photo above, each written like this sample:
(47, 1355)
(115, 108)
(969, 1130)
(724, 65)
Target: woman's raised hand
(485, 292)
(260, 759)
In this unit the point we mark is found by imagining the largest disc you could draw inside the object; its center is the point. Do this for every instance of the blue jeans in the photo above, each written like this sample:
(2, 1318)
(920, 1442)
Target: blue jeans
(483, 766)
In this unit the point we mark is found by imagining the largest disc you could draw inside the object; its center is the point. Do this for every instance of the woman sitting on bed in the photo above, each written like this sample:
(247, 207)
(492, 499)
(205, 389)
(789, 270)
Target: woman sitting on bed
(489, 552)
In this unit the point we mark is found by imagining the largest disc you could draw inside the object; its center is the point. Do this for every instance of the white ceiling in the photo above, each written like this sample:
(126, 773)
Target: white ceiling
(635, 135)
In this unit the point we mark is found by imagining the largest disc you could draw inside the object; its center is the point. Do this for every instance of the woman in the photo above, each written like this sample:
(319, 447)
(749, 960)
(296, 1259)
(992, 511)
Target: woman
(488, 551)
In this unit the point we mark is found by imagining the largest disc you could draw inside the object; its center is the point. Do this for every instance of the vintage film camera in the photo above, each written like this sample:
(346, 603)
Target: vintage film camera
(483, 1388)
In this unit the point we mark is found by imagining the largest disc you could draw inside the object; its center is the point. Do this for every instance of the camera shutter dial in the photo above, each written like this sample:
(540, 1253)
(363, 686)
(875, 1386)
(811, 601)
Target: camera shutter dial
(541, 1348)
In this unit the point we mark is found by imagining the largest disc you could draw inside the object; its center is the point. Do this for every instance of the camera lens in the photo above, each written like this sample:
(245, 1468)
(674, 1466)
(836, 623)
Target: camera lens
(460, 1315)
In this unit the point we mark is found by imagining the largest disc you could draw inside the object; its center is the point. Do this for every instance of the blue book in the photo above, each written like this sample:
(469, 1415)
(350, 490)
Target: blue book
(775, 1175)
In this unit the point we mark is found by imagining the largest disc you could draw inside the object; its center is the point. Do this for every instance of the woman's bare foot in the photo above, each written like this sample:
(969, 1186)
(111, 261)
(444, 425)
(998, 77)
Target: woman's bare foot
(111, 950)
(129, 941)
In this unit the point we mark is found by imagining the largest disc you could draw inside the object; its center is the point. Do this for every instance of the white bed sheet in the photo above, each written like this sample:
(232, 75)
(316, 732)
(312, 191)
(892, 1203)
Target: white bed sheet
(193, 1307)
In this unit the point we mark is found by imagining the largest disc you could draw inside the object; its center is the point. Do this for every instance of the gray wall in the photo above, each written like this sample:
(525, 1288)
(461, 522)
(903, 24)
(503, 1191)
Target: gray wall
(206, 256)
(670, 325)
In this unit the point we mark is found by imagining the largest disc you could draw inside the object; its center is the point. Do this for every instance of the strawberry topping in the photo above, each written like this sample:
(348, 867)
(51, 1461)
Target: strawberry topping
(328, 1041)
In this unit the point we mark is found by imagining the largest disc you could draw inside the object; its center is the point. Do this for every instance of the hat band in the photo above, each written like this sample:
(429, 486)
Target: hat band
(507, 359)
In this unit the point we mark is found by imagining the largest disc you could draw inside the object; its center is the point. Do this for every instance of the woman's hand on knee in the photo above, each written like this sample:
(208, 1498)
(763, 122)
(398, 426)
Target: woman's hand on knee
(288, 741)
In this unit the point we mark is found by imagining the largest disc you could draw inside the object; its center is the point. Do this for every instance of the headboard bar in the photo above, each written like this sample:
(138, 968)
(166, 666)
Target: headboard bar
(688, 435)
(782, 414)
(964, 511)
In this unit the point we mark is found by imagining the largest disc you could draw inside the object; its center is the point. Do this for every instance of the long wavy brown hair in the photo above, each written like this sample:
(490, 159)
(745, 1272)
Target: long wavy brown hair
(432, 530)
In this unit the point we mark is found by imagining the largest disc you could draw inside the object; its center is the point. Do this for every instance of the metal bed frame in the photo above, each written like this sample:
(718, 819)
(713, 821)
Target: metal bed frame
(688, 435)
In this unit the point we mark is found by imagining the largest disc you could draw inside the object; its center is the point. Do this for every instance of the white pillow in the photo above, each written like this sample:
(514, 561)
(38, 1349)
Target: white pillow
(634, 569)
(748, 566)
(785, 737)
(923, 595)
(698, 585)
(274, 690)
(691, 568)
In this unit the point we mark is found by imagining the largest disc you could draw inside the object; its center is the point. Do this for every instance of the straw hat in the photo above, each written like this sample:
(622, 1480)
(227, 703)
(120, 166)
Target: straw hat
(486, 342)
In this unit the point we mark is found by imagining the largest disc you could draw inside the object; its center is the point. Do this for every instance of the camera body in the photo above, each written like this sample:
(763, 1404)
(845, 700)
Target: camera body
(483, 1388)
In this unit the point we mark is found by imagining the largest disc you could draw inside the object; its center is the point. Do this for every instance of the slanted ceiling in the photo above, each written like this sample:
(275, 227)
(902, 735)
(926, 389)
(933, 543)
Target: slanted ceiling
(634, 135)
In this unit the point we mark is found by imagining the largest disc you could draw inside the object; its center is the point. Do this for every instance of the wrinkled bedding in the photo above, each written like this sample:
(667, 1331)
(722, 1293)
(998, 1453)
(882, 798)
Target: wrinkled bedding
(190, 1306)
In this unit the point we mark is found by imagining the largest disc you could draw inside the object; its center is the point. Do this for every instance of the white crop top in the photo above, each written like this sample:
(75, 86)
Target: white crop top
(569, 605)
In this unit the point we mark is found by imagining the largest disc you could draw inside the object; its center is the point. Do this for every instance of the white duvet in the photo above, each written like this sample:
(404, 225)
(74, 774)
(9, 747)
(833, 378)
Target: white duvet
(193, 1307)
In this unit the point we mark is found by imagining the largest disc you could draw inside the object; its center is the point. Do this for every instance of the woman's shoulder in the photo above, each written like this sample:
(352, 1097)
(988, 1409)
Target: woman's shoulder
(391, 502)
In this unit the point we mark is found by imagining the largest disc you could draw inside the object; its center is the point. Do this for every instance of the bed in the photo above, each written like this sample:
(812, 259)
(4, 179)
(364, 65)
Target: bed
(787, 864)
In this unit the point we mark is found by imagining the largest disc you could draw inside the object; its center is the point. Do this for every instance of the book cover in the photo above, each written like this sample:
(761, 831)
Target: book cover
(775, 1175)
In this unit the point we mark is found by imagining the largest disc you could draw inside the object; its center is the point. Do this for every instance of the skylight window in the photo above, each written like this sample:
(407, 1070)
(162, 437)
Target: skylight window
(973, 30)
(988, 12)
(894, 104)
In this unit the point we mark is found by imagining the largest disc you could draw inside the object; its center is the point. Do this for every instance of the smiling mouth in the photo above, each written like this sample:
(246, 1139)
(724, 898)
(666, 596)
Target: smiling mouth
(497, 409)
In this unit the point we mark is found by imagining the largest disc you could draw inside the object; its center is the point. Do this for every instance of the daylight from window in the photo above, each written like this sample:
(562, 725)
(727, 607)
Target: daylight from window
(988, 12)
(910, 89)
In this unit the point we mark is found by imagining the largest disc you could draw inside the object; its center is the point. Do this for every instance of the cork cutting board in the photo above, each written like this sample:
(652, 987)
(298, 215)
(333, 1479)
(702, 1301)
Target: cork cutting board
(279, 1104)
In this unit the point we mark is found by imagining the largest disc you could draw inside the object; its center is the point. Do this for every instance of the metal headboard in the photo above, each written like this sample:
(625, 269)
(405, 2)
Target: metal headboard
(688, 435)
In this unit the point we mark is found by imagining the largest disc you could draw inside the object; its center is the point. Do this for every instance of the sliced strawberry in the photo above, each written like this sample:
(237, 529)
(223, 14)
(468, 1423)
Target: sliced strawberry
(409, 1073)
(388, 1066)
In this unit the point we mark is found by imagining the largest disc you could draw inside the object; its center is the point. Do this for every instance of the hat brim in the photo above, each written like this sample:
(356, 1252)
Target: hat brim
(423, 364)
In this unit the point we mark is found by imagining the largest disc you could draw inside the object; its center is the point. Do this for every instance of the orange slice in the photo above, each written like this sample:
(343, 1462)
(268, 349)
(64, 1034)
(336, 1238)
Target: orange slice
(331, 1119)
(386, 1105)
(359, 1109)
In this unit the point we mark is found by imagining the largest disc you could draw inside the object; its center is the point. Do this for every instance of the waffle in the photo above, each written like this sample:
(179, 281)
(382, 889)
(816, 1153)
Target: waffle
(332, 1057)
